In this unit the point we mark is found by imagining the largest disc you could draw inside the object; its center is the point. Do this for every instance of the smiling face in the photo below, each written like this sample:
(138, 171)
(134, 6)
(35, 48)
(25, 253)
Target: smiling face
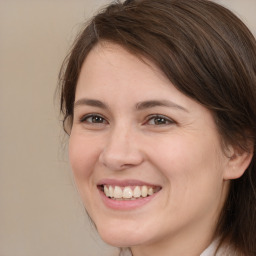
(147, 160)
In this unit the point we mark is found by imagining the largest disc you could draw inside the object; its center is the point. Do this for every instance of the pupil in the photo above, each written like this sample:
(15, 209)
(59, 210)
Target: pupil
(160, 120)
(97, 119)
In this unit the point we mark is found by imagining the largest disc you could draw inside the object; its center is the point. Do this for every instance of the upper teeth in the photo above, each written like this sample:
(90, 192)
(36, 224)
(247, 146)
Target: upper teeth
(127, 192)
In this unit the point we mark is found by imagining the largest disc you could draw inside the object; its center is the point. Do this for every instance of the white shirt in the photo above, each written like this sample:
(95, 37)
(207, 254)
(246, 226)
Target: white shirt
(210, 250)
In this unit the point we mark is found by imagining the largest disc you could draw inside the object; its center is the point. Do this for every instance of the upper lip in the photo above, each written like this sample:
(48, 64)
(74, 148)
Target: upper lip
(126, 182)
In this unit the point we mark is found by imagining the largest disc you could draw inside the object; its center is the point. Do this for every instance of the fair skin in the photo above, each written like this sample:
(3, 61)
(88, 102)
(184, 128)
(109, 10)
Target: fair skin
(131, 128)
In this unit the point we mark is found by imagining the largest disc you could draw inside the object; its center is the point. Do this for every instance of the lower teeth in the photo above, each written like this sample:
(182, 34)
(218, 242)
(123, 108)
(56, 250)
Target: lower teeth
(126, 199)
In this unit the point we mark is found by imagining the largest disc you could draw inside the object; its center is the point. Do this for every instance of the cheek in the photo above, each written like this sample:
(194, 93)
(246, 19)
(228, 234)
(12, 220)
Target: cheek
(82, 157)
(191, 166)
(187, 155)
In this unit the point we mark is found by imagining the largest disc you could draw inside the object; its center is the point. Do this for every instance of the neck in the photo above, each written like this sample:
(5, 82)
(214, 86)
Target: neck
(191, 242)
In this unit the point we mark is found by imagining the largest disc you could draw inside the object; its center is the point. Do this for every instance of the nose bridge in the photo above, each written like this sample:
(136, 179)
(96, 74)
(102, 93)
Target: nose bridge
(119, 140)
(121, 149)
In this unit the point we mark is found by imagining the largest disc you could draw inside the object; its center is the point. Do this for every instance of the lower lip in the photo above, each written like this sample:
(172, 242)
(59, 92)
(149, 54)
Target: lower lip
(126, 204)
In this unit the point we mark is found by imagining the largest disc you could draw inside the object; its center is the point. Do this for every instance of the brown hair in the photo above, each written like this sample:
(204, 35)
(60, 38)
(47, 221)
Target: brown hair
(210, 56)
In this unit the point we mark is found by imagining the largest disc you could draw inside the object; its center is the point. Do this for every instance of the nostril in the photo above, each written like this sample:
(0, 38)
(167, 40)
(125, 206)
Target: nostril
(120, 159)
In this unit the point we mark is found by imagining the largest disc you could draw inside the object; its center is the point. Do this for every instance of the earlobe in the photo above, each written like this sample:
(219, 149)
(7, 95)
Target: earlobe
(238, 162)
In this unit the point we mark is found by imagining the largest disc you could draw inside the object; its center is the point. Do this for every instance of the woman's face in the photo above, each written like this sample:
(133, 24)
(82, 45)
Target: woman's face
(147, 160)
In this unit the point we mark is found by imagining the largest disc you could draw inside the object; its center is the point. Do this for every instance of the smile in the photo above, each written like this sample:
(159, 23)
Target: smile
(128, 192)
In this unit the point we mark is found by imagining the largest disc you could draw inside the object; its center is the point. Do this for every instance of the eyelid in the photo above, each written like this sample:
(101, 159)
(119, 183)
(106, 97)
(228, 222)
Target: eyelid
(168, 119)
(83, 118)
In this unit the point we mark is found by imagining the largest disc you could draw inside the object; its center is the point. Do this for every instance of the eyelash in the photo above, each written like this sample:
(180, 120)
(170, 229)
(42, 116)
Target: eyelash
(84, 119)
(103, 120)
(161, 118)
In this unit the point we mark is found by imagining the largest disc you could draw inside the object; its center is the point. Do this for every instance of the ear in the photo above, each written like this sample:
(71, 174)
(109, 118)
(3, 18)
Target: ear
(238, 161)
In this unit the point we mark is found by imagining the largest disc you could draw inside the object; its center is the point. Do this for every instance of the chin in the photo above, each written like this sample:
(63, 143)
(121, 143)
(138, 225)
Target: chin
(121, 237)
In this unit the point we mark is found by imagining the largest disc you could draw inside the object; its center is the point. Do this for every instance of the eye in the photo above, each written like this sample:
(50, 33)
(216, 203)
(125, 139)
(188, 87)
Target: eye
(159, 120)
(93, 119)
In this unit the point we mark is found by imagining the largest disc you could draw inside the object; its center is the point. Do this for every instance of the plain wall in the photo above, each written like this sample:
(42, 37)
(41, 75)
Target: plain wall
(40, 211)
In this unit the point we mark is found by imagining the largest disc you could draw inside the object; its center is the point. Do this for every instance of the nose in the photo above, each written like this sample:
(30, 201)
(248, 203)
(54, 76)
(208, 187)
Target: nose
(121, 150)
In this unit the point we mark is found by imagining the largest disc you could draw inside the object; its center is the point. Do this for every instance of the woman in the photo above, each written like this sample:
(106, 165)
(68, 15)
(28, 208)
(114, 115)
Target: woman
(159, 99)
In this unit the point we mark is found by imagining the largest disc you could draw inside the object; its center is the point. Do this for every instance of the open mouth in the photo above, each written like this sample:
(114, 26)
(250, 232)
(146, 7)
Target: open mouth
(128, 192)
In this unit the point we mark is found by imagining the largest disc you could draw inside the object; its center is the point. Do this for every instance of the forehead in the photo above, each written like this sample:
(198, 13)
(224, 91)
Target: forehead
(106, 56)
(109, 65)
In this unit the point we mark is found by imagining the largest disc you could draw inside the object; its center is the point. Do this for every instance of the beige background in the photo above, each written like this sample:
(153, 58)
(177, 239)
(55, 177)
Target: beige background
(40, 211)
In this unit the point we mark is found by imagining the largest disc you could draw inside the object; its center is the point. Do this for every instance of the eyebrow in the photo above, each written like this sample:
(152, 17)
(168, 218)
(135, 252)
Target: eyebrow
(90, 102)
(159, 103)
(139, 106)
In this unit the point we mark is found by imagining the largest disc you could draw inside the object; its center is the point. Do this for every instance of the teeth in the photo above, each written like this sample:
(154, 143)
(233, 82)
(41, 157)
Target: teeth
(106, 191)
(144, 191)
(150, 191)
(128, 192)
(118, 193)
(110, 191)
(137, 192)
